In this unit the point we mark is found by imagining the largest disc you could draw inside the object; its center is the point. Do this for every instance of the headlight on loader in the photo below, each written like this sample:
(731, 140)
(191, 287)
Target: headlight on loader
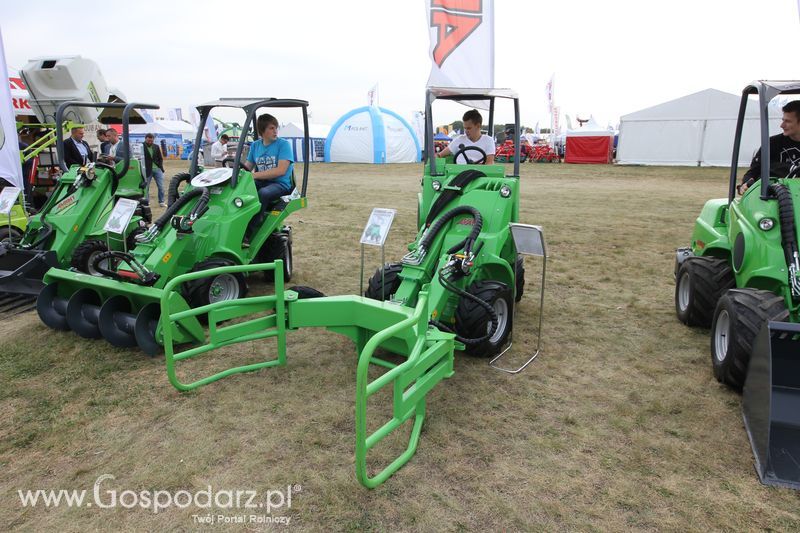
(766, 224)
(238, 202)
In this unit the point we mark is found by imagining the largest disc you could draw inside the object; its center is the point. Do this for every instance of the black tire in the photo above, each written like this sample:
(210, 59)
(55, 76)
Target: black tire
(278, 246)
(304, 293)
(131, 239)
(382, 287)
(473, 320)
(172, 191)
(738, 317)
(85, 253)
(519, 277)
(214, 289)
(10, 234)
(700, 283)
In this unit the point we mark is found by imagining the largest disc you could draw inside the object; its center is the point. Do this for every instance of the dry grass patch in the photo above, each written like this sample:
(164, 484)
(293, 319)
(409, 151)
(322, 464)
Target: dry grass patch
(618, 425)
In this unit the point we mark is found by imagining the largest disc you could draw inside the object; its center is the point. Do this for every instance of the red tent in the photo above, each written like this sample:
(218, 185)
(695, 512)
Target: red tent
(589, 144)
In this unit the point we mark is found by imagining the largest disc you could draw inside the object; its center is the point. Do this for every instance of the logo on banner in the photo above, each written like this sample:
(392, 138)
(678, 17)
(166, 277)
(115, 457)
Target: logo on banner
(454, 20)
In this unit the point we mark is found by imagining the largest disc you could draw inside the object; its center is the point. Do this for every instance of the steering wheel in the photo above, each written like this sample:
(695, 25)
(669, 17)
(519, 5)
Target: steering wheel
(462, 152)
(110, 167)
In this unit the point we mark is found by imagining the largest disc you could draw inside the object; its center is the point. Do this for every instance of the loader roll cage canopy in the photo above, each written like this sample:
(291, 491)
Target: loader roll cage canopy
(127, 117)
(250, 106)
(463, 95)
(766, 91)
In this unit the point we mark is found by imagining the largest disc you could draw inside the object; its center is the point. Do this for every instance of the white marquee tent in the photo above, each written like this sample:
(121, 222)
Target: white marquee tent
(694, 130)
(372, 134)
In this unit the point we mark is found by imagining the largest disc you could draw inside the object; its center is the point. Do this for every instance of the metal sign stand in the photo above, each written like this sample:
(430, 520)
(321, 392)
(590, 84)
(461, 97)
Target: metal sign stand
(118, 221)
(529, 240)
(375, 232)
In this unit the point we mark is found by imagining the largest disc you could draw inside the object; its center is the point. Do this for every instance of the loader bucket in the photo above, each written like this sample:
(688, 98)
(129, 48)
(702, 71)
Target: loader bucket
(21, 271)
(771, 404)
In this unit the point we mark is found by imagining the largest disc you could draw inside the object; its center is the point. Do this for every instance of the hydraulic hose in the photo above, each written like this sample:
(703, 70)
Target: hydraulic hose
(140, 273)
(467, 243)
(180, 202)
(786, 214)
(445, 281)
(174, 183)
(446, 196)
(202, 204)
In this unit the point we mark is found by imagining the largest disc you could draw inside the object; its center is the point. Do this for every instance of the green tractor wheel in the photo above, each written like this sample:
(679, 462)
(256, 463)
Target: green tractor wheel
(699, 284)
(473, 321)
(204, 291)
(739, 316)
(385, 282)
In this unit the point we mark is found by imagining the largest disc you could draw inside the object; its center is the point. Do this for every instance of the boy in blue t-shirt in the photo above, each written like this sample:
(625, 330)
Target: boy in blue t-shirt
(270, 161)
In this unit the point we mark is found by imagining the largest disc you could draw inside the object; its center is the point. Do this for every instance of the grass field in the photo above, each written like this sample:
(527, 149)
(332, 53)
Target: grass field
(618, 425)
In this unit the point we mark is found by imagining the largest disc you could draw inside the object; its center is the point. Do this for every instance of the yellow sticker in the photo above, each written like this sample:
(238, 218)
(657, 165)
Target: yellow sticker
(167, 257)
(75, 228)
(434, 314)
(275, 213)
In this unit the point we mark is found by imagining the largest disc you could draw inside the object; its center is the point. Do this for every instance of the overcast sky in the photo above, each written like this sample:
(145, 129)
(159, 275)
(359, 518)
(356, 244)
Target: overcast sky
(609, 57)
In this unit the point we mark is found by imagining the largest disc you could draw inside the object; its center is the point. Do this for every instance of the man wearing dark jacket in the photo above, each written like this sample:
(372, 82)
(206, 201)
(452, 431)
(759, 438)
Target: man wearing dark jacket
(153, 167)
(76, 150)
(784, 148)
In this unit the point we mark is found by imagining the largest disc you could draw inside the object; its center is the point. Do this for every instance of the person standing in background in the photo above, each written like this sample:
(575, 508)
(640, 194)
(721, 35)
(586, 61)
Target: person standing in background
(154, 168)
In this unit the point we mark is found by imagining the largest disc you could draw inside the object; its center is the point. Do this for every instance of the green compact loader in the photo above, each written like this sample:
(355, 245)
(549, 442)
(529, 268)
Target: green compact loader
(74, 214)
(741, 277)
(203, 228)
(455, 289)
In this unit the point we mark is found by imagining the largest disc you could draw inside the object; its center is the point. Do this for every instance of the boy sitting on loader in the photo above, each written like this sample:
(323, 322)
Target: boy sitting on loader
(270, 160)
(471, 140)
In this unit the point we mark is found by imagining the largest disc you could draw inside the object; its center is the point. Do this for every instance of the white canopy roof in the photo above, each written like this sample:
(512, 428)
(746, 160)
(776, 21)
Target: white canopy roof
(590, 129)
(709, 104)
(315, 131)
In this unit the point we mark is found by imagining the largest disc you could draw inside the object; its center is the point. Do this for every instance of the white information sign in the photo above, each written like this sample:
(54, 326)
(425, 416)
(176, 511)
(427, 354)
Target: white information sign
(7, 199)
(120, 216)
(378, 225)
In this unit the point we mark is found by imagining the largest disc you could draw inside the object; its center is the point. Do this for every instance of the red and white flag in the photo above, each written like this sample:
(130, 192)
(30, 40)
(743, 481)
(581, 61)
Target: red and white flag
(10, 168)
(462, 43)
(549, 91)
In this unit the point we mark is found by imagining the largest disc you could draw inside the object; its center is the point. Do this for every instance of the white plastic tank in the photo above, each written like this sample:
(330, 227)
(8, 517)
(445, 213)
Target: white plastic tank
(53, 80)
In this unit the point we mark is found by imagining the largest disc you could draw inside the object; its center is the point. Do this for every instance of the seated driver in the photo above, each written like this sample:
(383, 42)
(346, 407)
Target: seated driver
(784, 148)
(270, 160)
(472, 136)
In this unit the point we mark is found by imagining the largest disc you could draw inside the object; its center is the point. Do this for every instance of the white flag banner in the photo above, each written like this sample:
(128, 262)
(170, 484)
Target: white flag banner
(10, 168)
(462, 43)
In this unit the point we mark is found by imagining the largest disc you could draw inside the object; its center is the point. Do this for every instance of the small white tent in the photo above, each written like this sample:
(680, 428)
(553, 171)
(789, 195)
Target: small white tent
(317, 133)
(695, 130)
(372, 134)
